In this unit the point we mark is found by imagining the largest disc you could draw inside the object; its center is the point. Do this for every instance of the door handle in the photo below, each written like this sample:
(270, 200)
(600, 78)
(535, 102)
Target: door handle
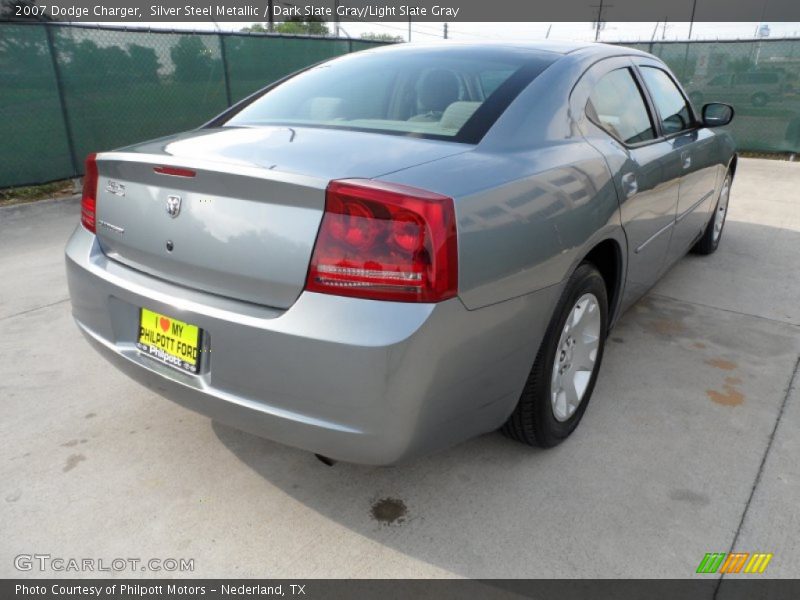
(686, 160)
(629, 184)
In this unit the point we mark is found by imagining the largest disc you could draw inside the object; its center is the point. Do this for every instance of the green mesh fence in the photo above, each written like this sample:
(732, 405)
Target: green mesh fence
(255, 61)
(66, 91)
(760, 78)
(126, 87)
(33, 138)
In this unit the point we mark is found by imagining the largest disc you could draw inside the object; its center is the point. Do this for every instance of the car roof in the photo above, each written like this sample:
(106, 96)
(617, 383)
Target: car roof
(556, 47)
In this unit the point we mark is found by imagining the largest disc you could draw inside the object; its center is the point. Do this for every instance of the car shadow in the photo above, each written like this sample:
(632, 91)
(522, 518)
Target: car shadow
(491, 507)
(414, 506)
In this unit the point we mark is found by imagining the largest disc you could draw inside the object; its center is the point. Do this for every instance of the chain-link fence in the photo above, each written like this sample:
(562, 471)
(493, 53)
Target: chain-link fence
(66, 91)
(69, 90)
(760, 78)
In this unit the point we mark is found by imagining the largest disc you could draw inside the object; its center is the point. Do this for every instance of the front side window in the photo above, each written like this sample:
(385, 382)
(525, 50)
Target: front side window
(672, 107)
(452, 94)
(616, 105)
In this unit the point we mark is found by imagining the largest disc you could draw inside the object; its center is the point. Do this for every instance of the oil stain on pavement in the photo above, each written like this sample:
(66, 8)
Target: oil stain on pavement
(389, 511)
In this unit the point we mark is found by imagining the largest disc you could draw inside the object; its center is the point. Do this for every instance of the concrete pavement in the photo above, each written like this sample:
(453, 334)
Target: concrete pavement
(689, 445)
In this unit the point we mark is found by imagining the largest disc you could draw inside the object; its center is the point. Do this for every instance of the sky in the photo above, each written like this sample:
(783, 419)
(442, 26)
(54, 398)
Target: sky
(613, 31)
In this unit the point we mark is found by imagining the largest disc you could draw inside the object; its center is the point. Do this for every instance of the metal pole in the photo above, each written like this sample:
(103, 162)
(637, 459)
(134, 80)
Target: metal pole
(599, 17)
(270, 17)
(62, 101)
(224, 56)
(409, 28)
(685, 73)
(336, 18)
(445, 31)
(758, 32)
(691, 19)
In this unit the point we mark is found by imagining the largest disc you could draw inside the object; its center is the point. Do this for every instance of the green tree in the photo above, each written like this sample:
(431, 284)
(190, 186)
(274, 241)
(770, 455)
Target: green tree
(382, 37)
(301, 26)
(24, 58)
(144, 63)
(192, 59)
(255, 28)
(88, 63)
(294, 26)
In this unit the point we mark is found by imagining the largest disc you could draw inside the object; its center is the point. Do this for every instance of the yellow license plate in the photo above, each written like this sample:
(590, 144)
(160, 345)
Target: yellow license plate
(169, 340)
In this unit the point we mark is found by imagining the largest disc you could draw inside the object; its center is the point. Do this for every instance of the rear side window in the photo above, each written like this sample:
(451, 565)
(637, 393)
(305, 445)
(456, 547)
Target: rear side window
(670, 103)
(616, 105)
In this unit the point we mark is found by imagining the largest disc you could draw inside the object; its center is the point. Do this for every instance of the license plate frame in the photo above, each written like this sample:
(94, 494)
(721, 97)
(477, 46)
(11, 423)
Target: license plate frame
(170, 341)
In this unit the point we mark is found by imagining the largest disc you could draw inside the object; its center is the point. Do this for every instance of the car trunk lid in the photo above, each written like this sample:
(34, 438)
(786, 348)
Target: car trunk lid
(233, 215)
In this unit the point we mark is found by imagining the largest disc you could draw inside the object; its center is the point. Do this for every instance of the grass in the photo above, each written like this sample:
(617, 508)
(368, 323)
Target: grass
(32, 193)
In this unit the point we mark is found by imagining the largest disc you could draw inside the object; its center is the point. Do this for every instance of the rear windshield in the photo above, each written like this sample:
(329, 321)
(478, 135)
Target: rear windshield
(455, 94)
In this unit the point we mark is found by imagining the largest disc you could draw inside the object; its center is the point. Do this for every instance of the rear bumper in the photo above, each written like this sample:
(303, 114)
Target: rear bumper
(360, 381)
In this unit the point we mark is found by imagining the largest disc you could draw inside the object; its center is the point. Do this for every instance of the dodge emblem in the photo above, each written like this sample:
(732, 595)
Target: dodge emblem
(173, 206)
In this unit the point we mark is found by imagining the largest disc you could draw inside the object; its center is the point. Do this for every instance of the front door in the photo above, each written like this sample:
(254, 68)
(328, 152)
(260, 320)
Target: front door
(692, 156)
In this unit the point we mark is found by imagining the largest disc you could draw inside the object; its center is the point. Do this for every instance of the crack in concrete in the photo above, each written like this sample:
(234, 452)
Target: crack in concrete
(30, 310)
(793, 380)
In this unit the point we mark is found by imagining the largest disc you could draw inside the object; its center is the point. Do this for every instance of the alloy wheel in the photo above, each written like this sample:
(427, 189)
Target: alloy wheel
(722, 209)
(576, 357)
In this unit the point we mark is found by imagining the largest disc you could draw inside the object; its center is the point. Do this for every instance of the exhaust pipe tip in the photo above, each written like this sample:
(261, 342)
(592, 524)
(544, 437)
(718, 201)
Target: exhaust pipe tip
(325, 460)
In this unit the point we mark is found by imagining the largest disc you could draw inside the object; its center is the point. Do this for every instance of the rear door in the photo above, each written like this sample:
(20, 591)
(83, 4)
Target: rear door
(692, 156)
(618, 121)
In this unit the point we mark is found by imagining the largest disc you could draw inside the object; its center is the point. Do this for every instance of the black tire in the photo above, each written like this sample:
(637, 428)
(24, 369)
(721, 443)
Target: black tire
(533, 421)
(708, 243)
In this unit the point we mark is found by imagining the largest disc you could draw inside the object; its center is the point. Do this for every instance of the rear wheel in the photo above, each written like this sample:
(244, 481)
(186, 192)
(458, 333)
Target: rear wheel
(709, 243)
(565, 370)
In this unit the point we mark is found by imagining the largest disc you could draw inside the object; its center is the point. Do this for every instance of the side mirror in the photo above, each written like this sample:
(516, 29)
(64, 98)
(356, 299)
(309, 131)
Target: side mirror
(716, 114)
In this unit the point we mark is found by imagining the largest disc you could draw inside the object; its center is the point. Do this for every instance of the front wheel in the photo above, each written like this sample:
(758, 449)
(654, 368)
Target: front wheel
(709, 243)
(565, 370)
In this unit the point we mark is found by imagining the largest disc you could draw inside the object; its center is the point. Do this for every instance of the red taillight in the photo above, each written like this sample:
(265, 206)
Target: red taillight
(385, 241)
(89, 197)
(175, 171)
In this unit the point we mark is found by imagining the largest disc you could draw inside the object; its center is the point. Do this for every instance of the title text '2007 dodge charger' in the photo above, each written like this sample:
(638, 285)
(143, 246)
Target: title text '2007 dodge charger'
(396, 250)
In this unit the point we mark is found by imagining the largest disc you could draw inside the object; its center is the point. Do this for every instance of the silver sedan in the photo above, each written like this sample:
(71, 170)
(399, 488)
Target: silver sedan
(393, 251)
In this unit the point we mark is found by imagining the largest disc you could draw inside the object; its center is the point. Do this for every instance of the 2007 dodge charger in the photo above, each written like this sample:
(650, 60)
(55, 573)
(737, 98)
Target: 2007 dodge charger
(399, 249)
